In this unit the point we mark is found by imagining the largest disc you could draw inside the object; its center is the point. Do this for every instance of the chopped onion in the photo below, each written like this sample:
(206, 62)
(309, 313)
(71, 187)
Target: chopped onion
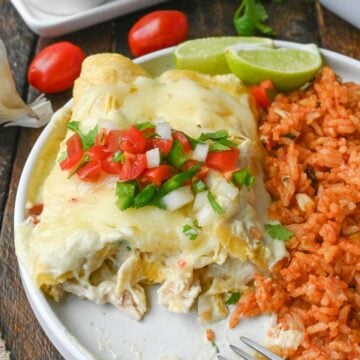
(153, 158)
(108, 125)
(178, 198)
(200, 152)
(227, 190)
(163, 129)
(206, 215)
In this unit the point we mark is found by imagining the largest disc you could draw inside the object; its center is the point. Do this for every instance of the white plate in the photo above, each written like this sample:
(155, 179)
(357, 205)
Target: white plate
(82, 330)
(349, 10)
(56, 25)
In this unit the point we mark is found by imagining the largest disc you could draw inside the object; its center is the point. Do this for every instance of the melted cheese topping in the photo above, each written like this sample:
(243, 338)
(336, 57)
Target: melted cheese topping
(81, 225)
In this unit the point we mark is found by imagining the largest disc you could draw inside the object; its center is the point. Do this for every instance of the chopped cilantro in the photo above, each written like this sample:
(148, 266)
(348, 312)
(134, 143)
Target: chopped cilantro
(243, 177)
(221, 134)
(145, 125)
(190, 232)
(214, 204)
(218, 147)
(278, 232)
(88, 139)
(118, 157)
(233, 298)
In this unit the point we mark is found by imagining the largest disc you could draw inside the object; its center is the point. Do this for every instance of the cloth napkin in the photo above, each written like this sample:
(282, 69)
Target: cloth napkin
(4, 355)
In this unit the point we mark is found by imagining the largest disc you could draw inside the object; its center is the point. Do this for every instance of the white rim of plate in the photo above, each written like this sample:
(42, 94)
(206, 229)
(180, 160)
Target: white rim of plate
(67, 344)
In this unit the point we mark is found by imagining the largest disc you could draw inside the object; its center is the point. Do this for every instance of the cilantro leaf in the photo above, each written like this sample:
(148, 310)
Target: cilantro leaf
(249, 18)
(145, 125)
(233, 299)
(278, 232)
(218, 147)
(221, 134)
(88, 139)
(118, 157)
(190, 232)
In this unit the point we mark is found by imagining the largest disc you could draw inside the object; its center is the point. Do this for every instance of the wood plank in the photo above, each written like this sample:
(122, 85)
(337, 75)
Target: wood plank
(336, 34)
(295, 22)
(17, 320)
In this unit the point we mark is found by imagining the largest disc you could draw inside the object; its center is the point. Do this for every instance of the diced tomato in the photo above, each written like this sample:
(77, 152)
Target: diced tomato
(75, 152)
(101, 137)
(223, 160)
(201, 175)
(96, 152)
(110, 166)
(90, 171)
(148, 132)
(112, 140)
(133, 141)
(133, 167)
(261, 93)
(181, 137)
(163, 145)
(158, 175)
(36, 209)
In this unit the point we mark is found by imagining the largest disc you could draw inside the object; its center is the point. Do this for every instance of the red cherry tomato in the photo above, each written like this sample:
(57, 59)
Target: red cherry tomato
(181, 137)
(36, 209)
(90, 171)
(96, 152)
(157, 175)
(132, 141)
(262, 93)
(133, 167)
(56, 67)
(110, 166)
(223, 160)
(75, 152)
(158, 30)
(163, 145)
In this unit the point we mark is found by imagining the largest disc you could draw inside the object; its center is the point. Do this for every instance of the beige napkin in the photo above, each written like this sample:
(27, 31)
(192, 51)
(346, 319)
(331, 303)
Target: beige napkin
(4, 355)
(13, 110)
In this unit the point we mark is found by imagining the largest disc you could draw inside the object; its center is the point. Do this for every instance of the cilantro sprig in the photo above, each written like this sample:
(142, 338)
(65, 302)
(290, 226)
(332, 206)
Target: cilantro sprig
(249, 18)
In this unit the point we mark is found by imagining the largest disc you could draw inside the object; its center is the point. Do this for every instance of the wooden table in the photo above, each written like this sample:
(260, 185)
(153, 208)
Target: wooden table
(294, 20)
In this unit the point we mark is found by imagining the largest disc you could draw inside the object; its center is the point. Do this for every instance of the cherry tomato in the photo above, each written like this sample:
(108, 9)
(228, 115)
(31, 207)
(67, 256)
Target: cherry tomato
(181, 137)
(133, 167)
(96, 152)
(56, 67)
(132, 141)
(75, 152)
(111, 167)
(90, 171)
(223, 160)
(158, 30)
(158, 175)
(262, 93)
(163, 145)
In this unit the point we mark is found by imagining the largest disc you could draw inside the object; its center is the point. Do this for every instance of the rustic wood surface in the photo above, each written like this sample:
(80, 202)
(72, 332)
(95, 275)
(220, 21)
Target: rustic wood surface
(293, 20)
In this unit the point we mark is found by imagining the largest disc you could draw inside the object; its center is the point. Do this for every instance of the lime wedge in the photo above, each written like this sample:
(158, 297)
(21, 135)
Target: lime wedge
(208, 55)
(287, 68)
